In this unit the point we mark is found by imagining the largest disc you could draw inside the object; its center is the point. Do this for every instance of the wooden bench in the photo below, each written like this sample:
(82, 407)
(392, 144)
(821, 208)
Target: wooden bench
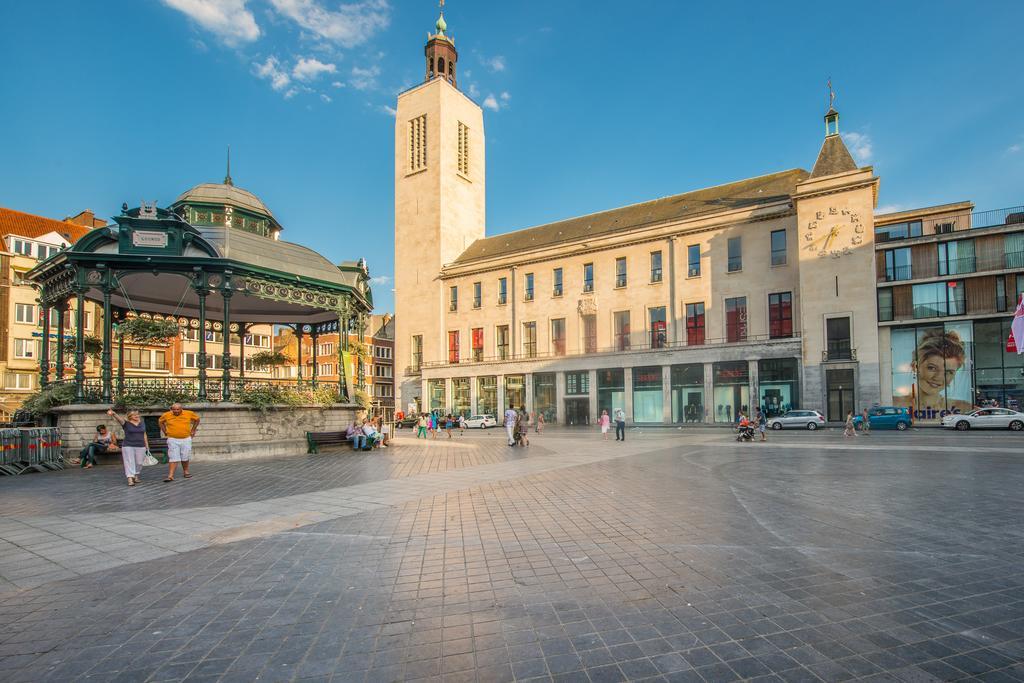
(317, 439)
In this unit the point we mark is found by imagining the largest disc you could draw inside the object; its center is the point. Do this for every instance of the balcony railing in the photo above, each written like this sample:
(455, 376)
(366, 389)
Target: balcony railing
(634, 348)
(957, 266)
(839, 350)
(961, 222)
(896, 273)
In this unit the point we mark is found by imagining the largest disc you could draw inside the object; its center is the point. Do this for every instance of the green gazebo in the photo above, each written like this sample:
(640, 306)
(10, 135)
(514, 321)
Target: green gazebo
(212, 261)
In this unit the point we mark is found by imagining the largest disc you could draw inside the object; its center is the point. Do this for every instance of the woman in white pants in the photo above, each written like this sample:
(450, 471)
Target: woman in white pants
(134, 445)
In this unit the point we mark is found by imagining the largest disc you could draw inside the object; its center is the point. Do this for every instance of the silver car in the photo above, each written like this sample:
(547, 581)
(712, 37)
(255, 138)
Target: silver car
(986, 418)
(798, 419)
(481, 422)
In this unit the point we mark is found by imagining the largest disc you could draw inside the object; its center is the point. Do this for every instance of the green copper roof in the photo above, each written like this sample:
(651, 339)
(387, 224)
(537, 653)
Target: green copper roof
(441, 25)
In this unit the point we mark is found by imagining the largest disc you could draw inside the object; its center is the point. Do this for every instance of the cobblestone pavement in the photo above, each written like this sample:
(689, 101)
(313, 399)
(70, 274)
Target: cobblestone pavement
(673, 557)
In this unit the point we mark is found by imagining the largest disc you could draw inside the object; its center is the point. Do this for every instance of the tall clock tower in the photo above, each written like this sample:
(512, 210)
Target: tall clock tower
(439, 203)
(835, 225)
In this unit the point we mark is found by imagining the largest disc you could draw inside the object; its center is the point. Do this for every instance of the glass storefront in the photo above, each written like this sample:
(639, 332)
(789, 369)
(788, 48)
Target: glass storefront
(460, 396)
(611, 391)
(487, 395)
(932, 369)
(647, 399)
(515, 391)
(731, 382)
(437, 402)
(544, 396)
(779, 384)
(688, 393)
(999, 375)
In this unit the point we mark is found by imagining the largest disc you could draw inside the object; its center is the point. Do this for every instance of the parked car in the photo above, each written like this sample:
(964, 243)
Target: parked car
(798, 419)
(481, 422)
(986, 418)
(886, 417)
(407, 422)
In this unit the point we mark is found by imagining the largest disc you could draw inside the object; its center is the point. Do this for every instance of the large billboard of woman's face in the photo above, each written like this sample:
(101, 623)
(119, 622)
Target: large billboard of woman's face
(932, 369)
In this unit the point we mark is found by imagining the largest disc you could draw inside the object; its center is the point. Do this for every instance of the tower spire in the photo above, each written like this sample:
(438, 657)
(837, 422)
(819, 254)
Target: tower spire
(440, 51)
(227, 177)
(832, 115)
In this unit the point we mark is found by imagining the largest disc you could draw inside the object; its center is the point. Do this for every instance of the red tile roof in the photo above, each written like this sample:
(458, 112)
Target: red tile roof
(28, 225)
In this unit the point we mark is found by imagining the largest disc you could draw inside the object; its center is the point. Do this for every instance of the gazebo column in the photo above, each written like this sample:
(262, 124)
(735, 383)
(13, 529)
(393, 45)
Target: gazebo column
(106, 370)
(201, 292)
(343, 391)
(225, 293)
(361, 333)
(241, 349)
(298, 352)
(44, 352)
(314, 336)
(80, 344)
(120, 365)
(62, 307)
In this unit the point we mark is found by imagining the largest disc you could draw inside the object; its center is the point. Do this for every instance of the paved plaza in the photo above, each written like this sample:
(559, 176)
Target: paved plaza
(679, 555)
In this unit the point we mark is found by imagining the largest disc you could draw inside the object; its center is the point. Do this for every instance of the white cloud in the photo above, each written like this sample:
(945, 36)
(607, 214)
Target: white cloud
(860, 146)
(325, 98)
(364, 79)
(490, 102)
(337, 84)
(307, 69)
(474, 92)
(380, 280)
(889, 208)
(271, 70)
(390, 111)
(505, 97)
(1014, 148)
(495, 63)
(349, 25)
(497, 103)
(230, 20)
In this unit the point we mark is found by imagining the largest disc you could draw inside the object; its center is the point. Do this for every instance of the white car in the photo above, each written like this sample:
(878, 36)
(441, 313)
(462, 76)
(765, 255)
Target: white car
(798, 419)
(986, 418)
(481, 422)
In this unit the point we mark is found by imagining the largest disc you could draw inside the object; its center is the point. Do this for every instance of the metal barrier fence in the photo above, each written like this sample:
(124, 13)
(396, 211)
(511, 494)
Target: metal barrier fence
(30, 449)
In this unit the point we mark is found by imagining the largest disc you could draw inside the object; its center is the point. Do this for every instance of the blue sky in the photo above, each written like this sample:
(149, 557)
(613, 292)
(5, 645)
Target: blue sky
(589, 104)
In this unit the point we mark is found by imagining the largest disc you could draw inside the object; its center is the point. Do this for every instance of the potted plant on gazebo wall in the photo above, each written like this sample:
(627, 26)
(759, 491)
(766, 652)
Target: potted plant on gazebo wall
(145, 330)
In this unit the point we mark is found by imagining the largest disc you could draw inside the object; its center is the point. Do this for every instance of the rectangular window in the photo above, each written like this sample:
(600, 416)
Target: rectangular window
(453, 347)
(17, 380)
(693, 260)
(478, 344)
(160, 360)
(530, 340)
(327, 349)
(190, 334)
(837, 334)
(502, 342)
(556, 288)
(577, 383)
(558, 336)
(136, 358)
(655, 266)
(780, 315)
(898, 231)
(736, 319)
(502, 291)
(939, 299)
(658, 327)
(25, 313)
(1001, 294)
(885, 311)
(463, 148)
(477, 294)
(24, 348)
(21, 247)
(695, 324)
(956, 257)
(417, 352)
(620, 328)
(418, 143)
(778, 247)
(263, 341)
(189, 360)
(735, 254)
(453, 298)
(589, 333)
(898, 264)
(620, 272)
(588, 277)
(1013, 250)
(528, 287)
(214, 337)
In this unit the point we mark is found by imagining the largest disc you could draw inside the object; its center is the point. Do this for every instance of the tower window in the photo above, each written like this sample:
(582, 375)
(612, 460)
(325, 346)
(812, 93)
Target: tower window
(418, 143)
(463, 149)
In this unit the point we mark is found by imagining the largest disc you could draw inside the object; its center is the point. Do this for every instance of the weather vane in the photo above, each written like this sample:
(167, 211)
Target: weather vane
(831, 92)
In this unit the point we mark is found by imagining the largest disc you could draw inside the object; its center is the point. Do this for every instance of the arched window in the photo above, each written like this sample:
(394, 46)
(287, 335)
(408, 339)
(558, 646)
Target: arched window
(440, 65)
(451, 70)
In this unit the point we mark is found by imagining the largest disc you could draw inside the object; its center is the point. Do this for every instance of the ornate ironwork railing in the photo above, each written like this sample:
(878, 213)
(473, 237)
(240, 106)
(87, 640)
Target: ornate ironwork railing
(166, 390)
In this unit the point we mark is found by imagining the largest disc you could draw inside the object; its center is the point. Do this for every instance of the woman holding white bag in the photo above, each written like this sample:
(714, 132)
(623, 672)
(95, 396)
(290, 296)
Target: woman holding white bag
(134, 446)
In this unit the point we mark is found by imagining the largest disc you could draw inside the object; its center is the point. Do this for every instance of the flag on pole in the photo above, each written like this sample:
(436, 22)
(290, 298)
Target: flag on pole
(1017, 329)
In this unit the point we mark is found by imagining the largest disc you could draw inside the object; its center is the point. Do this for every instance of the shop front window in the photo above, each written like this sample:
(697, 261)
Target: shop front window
(611, 391)
(647, 398)
(515, 391)
(688, 393)
(731, 387)
(544, 396)
(460, 396)
(437, 401)
(487, 395)
(779, 384)
(932, 367)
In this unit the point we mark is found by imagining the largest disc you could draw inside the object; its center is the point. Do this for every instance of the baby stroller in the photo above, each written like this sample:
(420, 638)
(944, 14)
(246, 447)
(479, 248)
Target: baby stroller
(745, 433)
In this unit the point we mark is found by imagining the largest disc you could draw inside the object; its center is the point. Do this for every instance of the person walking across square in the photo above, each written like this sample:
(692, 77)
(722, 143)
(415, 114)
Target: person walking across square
(135, 444)
(510, 424)
(178, 426)
(620, 424)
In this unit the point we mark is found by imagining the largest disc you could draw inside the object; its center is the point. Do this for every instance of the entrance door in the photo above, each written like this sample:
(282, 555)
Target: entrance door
(839, 385)
(577, 411)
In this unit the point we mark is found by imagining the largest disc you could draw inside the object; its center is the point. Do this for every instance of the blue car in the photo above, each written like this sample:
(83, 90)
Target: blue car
(886, 417)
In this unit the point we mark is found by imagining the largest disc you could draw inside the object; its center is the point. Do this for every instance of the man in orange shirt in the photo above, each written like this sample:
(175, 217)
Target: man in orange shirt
(178, 426)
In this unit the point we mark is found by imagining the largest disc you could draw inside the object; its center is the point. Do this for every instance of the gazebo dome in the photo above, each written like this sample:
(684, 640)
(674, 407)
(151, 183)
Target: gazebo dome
(226, 194)
(209, 204)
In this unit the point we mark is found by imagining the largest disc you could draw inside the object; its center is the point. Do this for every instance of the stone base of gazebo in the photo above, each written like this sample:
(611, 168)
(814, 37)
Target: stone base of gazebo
(227, 431)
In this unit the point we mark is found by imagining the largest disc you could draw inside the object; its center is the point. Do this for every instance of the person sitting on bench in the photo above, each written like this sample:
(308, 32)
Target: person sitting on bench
(103, 442)
(372, 435)
(356, 436)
